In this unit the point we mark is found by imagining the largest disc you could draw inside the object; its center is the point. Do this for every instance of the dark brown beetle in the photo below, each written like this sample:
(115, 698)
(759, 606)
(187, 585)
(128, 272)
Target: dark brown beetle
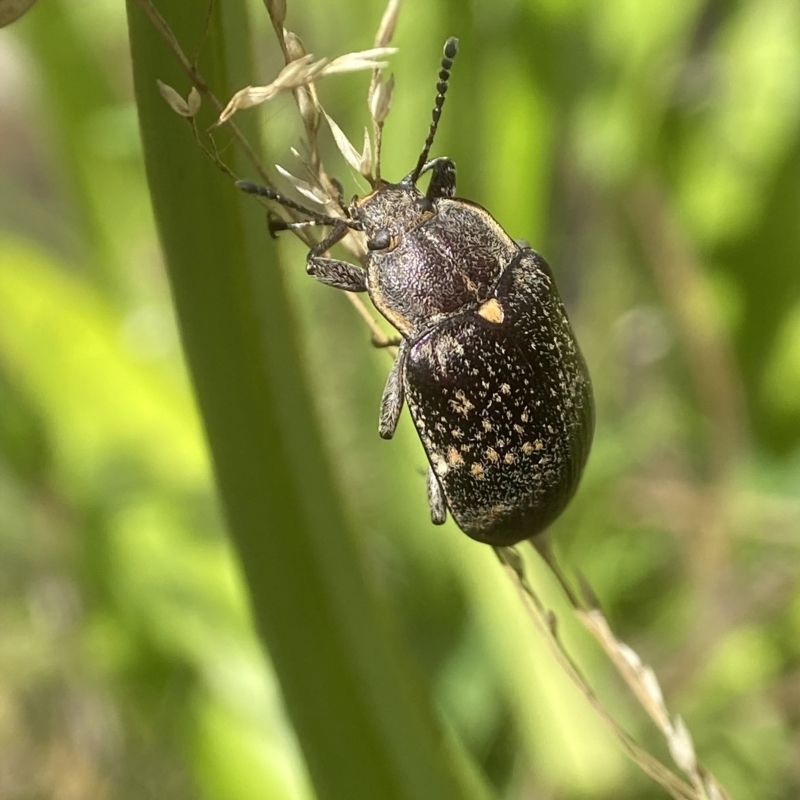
(487, 363)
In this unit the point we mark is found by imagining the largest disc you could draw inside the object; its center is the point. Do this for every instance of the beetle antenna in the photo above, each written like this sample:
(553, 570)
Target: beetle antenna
(450, 50)
(317, 217)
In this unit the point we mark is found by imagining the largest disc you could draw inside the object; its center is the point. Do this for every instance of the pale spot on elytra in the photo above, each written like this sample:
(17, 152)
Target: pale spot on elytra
(454, 458)
(440, 465)
(492, 455)
(500, 510)
(492, 311)
(461, 405)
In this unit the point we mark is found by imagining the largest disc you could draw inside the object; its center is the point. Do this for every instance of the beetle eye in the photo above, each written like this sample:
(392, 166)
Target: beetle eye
(424, 203)
(380, 241)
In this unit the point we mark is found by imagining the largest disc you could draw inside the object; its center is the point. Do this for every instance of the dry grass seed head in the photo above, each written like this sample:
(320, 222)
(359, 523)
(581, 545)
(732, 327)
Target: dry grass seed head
(175, 101)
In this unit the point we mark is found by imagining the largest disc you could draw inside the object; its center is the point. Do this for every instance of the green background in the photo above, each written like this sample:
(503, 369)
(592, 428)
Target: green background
(651, 151)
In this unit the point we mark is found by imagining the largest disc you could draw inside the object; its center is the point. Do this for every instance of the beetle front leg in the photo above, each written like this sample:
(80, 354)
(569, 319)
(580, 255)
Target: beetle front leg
(332, 271)
(339, 274)
(393, 396)
(443, 177)
(436, 499)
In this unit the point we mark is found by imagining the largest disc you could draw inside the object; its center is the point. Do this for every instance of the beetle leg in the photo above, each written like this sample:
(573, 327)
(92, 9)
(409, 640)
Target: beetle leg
(339, 274)
(393, 396)
(436, 499)
(332, 271)
(443, 177)
(276, 224)
(388, 341)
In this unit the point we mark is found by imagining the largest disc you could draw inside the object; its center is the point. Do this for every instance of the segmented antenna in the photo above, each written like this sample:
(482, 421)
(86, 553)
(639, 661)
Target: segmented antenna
(450, 50)
(316, 217)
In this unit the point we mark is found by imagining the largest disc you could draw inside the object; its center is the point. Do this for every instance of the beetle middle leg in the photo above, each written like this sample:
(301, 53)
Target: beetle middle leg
(393, 396)
(332, 271)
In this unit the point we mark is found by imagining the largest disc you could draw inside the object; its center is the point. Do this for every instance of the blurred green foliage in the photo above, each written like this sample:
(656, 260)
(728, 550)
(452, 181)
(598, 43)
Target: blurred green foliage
(652, 152)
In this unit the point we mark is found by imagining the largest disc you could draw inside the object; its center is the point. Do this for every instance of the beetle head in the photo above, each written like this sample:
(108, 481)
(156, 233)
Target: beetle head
(389, 211)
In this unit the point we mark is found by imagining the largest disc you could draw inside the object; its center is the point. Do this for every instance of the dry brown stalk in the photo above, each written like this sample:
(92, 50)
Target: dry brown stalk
(639, 677)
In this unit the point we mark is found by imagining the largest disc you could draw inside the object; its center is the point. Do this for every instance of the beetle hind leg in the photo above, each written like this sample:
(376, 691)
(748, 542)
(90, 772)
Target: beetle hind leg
(436, 499)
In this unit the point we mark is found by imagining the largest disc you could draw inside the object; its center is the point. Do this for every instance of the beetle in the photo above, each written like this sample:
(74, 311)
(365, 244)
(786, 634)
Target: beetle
(487, 362)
